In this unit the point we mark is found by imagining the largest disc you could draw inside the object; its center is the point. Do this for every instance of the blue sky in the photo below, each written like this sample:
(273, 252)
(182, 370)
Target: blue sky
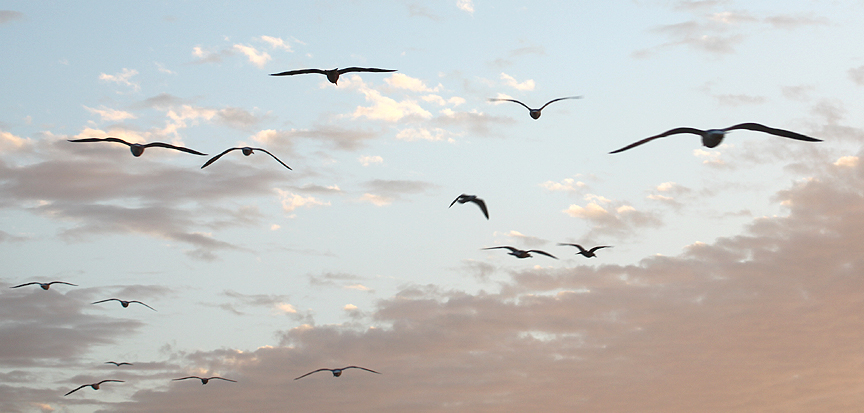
(737, 261)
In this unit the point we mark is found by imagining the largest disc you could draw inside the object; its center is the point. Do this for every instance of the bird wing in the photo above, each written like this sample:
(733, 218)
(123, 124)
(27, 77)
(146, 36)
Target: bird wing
(361, 368)
(213, 159)
(457, 198)
(34, 282)
(364, 69)
(112, 362)
(311, 373)
(145, 305)
(108, 139)
(274, 157)
(482, 206)
(106, 381)
(779, 132)
(62, 282)
(543, 253)
(108, 299)
(664, 134)
(510, 100)
(79, 388)
(598, 247)
(184, 378)
(299, 72)
(555, 100)
(222, 378)
(169, 146)
(503, 246)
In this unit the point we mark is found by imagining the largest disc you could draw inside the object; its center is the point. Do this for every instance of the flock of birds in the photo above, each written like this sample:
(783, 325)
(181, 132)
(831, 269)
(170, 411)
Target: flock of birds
(710, 138)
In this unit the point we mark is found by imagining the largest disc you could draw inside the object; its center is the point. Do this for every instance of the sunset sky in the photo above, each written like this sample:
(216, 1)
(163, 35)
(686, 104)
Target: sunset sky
(735, 281)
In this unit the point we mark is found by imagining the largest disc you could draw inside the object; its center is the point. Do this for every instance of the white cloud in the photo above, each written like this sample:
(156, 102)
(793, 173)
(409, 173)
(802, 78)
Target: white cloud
(385, 108)
(376, 200)
(465, 5)
(411, 134)
(403, 81)
(566, 185)
(257, 58)
(510, 81)
(277, 43)
(161, 68)
(285, 308)
(122, 78)
(291, 201)
(848, 161)
(111, 114)
(10, 142)
(368, 160)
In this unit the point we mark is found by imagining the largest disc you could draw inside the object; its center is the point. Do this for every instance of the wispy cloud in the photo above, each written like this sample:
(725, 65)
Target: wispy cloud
(258, 58)
(510, 81)
(466, 6)
(8, 16)
(122, 78)
(108, 114)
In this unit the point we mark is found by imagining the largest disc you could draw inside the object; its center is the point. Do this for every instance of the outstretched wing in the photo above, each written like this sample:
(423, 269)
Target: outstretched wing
(774, 131)
(662, 135)
(543, 253)
(299, 72)
(145, 305)
(274, 157)
(555, 100)
(361, 368)
(510, 100)
(451, 204)
(108, 299)
(482, 206)
(62, 282)
(364, 69)
(574, 245)
(22, 285)
(222, 378)
(189, 377)
(108, 139)
(106, 381)
(169, 146)
(213, 159)
(503, 246)
(311, 373)
(599, 247)
(79, 388)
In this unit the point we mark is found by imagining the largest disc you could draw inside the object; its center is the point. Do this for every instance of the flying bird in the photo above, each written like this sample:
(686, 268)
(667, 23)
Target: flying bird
(522, 253)
(713, 137)
(471, 198)
(588, 253)
(337, 372)
(535, 113)
(246, 151)
(95, 386)
(333, 74)
(124, 303)
(118, 364)
(45, 286)
(205, 380)
(137, 148)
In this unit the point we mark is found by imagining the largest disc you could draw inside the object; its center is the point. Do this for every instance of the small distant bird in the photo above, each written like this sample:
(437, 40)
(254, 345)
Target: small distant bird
(95, 386)
(246, 151)
(713, 137)
(118, 364)
(45, 286)
(587, 253)
(333, 74)
(522, 253)
(471, 198)
(337, 372)
(205, 380)
(124, 303)
(535, 113)
(137, 148)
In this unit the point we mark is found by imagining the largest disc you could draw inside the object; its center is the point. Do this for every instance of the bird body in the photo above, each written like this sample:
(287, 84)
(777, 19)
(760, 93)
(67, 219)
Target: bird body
(95, 386)
(332, 74)
(337, 372)
(137, 148)
(522, 253)
(118, 364)
(205, 380)
(588, 253)
(45, 286)
(124, 303)
(712, 137)
(464, 198)
(246, 151)
(535, 113)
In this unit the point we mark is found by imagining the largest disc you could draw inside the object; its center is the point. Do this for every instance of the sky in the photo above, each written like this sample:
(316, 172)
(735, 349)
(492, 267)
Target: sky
(733, 282)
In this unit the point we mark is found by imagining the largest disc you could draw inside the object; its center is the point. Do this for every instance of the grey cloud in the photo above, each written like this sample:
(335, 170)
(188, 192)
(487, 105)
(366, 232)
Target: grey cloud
(7, 16)
(239, 118)
(7, 237)
(789, 22)
(161, 101)
(738, 100)
(800, 93)
(419, 10)
(396, 188)
(333, 279)
(857, 75)
(475, 123)
(214, 57)
(337, 137)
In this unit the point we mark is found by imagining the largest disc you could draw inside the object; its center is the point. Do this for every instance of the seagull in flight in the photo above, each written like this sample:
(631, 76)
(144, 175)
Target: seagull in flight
(588, 253)
(337, 372)
(95, 386)
(205, 380)
(471, 198)
(137, 148)
(246, 151)
(535, 113)
(333, 74)
(713, 137)
(125, 304)
(45, 286)
(118, 364)
(522, 253)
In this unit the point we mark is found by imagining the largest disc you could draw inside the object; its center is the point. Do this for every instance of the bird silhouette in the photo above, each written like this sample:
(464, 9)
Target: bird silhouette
(205, 380)
(118, 364)
(535, 113)
(333, 74)
(95, 386)
(471, 198)
(587, 253)
(522, 253)
(713, 137)
(137, 148)
(246, 151)
(124, 303)
(337, 372)
(45, 286)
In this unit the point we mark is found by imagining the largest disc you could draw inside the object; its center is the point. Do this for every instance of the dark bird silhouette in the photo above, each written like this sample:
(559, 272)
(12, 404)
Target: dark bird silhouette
(535, 113)
(95, 386)
(713, 137)
(125, 304)
(205, 380)
(471, 198)
(333, 74)
(246, 151)
(522, 253)
(137, 148)
(337, 372)
(118, 364)
(587, 253)
(45, 286)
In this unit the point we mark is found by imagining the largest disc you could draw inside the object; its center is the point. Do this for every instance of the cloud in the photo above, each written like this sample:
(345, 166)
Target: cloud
(419, 10)
(510, 81)
(161, 68)
(738, 100)
(566, 185)
(112, 115)
(376, 200)
(612, 218)
(122, 78)
(383, 192)
(291, 201)
(255, 57)
(466, 5)
(412, 134)
(336, 137)
(529, 241)
(385, 108)
(8, 16)
(857, 75)
(403, 81)
(278, 43)
(366, 160)
(238, 118)
(205, 56)
(12, 143)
